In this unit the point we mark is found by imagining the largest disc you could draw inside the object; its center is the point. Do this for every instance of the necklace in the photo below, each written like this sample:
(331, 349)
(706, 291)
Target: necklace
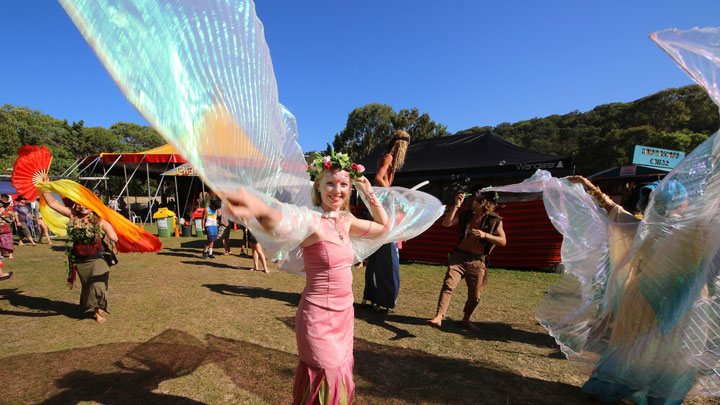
(334, 215)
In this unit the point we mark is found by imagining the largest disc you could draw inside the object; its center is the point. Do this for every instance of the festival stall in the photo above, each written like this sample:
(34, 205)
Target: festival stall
(157, 163)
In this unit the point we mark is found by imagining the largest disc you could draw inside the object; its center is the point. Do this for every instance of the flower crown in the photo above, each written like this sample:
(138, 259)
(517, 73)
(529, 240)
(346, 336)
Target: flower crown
(334, 161)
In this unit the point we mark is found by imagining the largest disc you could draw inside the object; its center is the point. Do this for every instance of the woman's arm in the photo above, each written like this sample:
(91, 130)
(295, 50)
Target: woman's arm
(603, 199)
(245, 205)
(451, 219)
(55, 205)
(380, 223)
(109, 230)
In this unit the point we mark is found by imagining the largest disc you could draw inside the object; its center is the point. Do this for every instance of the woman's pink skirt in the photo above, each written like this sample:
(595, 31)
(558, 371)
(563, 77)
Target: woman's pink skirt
(6, 243)
(325, 347)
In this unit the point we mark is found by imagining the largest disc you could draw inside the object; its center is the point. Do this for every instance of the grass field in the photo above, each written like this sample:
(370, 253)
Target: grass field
(187, 330)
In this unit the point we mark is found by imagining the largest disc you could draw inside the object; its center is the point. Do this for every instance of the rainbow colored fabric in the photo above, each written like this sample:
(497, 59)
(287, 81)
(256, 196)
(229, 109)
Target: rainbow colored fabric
(131, 238)
(639, 307)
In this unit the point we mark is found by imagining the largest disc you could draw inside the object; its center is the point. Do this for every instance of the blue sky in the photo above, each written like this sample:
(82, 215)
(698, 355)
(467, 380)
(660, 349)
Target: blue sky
(464, 62)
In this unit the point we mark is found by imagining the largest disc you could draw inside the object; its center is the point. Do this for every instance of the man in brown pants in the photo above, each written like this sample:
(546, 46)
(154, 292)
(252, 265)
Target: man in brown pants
(479, 230)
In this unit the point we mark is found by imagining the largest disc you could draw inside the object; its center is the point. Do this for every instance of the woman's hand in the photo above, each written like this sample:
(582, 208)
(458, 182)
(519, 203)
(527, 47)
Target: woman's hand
(581, 180)
(478, 233)
(363, 185)
(245, 205)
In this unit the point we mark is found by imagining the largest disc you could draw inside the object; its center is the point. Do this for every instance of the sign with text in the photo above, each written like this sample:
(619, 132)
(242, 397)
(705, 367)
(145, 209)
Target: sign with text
(656, 157)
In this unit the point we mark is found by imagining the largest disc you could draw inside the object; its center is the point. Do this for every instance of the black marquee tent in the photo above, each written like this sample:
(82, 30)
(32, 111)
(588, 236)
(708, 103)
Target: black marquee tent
(484, 157)
(457, 163)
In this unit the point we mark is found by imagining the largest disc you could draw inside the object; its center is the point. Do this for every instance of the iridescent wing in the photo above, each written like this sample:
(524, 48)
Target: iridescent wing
(200, 72)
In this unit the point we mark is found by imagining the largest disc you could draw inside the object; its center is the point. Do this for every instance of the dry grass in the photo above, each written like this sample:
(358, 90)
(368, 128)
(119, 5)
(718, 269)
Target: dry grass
(187, 330)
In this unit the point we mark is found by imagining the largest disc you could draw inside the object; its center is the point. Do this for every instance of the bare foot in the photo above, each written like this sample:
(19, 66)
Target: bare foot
(437, 322)
(470, 325)
(226, 254)
(253, 269)
(266, 271)
(10, 257)
(21, 244)
(99, 318)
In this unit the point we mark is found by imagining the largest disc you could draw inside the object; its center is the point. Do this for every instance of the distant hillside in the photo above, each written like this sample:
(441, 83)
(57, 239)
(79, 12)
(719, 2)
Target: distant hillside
(678, 119)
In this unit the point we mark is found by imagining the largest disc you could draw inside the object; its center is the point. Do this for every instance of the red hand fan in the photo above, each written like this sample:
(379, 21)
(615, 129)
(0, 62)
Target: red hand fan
(31, 166)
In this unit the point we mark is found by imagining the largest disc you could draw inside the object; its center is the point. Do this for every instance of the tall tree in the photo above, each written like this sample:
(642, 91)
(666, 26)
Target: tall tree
(371, 126)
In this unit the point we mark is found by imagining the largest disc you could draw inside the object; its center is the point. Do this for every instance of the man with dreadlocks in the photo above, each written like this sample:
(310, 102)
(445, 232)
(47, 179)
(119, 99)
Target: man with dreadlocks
(382, 275)
(479, 231)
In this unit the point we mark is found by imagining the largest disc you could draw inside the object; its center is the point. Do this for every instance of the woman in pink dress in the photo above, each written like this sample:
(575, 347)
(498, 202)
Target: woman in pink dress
(324, 319)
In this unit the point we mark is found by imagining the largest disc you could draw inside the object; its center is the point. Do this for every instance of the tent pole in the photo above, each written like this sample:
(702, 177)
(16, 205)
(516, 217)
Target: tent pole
(127, 192)
(190, 189)
(72, 166)
(177, 196)
(147, 169)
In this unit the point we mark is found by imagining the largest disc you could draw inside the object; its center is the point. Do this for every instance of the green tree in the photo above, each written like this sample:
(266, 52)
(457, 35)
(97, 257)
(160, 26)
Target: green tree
(371, 126)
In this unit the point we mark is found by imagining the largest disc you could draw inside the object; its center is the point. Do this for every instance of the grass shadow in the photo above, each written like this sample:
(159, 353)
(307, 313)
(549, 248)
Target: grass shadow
(499, 332)
(292, 299)
(178, 254)
(209, 264)
(16, 298)
(381, 320)
(118, 373)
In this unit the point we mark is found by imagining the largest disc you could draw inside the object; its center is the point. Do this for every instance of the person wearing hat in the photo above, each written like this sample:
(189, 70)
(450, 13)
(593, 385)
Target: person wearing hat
(480, 229)
(22, 216)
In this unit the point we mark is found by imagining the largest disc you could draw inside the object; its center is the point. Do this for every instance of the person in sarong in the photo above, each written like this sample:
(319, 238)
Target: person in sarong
(7, 218)
(382, 275)
(86, 260)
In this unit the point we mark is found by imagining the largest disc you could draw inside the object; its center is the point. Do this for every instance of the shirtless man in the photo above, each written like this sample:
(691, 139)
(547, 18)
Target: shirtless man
(479, 231)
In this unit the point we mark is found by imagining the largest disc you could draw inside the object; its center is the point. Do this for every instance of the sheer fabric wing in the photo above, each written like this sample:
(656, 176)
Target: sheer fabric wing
(410, 213)
(574, 305)
(200, 72)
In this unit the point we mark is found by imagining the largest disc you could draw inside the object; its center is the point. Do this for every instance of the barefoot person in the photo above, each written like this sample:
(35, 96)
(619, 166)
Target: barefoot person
(479, 230)
(22, 217)
(257, 252)
(382, 275)
(324, 320)
(87, 230)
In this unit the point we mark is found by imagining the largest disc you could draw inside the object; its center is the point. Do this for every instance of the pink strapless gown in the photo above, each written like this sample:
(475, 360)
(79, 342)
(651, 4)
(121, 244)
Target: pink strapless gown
(324, 325)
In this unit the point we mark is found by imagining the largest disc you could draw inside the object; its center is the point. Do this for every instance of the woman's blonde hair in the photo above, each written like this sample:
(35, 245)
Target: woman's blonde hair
(317, 198)
(397, 148)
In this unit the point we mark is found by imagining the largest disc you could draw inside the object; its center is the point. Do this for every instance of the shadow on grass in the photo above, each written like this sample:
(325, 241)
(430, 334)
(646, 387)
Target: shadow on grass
(499, 332)
(209, 263)
(381, 320)
(391, 374)
(292, 299)
(16, 298)
(58, 247)
(178, 254)
(122, 373)
(117, 373)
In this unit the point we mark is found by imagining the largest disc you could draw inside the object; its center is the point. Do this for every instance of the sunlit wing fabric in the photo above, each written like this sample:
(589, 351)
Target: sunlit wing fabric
(409, 213)
(131, 238)
(645, 316)
(200, 72)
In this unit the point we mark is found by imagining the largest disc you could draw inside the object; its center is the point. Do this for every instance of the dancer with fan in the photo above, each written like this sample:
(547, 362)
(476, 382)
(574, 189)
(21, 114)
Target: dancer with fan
(85, 219)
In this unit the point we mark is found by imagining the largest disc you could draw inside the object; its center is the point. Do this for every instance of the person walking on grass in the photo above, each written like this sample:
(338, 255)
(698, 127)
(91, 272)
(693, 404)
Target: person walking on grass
(480, 229)
(22, 218)
(7, 218)
(210, 226)
(87, 230)
(257, 252)
(43, 231)
(224, 228)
